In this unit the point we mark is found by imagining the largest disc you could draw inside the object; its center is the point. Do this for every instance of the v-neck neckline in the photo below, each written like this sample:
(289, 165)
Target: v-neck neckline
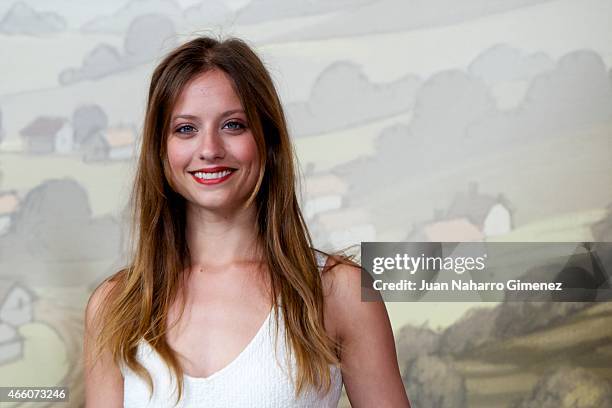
(240, 355)
(232, 363)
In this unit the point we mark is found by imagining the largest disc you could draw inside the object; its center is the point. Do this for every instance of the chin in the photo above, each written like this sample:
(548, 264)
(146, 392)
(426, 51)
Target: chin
(215, 205)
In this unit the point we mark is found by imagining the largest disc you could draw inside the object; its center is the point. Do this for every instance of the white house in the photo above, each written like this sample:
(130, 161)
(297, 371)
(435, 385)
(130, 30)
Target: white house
(16, 309)
(492, 215)
(45, 134)
(16, 303)
(64, 139)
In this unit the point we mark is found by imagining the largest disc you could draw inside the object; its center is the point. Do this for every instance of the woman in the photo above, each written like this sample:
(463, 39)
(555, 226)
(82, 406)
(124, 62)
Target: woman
(225, 302)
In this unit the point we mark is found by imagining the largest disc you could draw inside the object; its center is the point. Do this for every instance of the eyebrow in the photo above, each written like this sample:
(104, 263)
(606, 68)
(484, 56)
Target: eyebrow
(196, 118)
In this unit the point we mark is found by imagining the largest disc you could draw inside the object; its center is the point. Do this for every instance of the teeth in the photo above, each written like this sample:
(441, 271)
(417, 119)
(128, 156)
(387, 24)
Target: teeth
(212, 176)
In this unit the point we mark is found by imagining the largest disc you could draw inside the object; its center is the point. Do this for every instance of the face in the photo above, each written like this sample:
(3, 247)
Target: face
(212, 154)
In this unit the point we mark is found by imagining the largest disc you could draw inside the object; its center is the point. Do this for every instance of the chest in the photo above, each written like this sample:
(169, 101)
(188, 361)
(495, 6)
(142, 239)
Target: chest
(222, 318)
(218, 323)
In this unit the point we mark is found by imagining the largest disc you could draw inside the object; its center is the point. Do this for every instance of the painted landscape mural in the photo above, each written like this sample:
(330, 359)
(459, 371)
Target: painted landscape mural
(442, 120)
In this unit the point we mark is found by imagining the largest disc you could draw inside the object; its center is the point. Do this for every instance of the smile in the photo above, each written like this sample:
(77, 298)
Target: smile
(212, 178)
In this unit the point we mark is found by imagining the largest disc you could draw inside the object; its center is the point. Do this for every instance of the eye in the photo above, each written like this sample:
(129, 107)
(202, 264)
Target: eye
(233, 125)
(185, 129)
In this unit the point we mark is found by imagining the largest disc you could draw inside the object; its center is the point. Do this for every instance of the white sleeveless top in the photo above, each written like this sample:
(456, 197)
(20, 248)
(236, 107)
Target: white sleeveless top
(257, 377)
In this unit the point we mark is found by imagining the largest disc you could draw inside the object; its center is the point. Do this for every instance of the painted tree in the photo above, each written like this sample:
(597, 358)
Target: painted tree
(86, 121)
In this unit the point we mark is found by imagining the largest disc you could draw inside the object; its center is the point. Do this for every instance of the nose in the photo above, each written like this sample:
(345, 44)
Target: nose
(211, 145)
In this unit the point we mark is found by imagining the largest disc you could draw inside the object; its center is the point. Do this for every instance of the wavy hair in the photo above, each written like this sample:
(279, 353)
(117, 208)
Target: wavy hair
(139, 303)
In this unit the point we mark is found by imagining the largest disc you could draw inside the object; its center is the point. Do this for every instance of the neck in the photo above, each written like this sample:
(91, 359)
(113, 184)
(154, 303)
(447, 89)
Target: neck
(218, 240)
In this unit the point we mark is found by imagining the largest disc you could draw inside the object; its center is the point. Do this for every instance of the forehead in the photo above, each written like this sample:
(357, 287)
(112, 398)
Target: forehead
(211, 90)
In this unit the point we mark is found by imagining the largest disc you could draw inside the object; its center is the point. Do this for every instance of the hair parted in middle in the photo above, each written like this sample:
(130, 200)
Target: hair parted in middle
(138, 306)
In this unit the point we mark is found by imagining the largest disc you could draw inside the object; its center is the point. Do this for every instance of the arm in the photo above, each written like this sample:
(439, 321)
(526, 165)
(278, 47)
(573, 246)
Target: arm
(370, 370)
(103, 379)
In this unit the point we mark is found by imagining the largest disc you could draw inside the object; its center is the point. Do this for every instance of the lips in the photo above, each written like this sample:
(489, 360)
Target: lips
(215, 169)
(217, 175)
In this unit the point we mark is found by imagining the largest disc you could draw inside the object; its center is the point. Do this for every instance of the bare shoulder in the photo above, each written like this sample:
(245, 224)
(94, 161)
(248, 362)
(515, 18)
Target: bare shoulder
(341, 280)
(103, 378)
(97, 299)
(342, 287)
(364, 331)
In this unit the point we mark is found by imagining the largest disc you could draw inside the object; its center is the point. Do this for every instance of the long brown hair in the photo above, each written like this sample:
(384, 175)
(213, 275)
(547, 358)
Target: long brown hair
(148, 286)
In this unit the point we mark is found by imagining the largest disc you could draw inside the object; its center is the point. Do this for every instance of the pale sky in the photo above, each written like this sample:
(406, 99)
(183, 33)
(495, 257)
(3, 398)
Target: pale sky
(77, 12)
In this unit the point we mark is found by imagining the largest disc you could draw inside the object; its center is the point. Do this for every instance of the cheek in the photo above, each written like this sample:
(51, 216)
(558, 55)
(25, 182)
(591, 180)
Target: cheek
(177, 160)
(247, 151)
(178, 155)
